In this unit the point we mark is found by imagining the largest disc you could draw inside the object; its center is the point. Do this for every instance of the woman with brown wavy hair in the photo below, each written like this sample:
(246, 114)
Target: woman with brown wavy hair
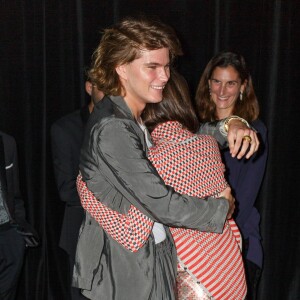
(226, 89)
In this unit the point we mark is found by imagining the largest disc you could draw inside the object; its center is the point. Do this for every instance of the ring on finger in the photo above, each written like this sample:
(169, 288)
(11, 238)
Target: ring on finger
(247, 138)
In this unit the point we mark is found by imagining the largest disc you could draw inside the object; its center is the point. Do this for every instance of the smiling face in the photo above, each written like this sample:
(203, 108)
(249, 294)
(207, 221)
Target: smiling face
(145, 78)
(225, 87)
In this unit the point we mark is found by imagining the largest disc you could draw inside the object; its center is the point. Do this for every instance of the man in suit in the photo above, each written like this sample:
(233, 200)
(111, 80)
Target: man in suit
(66, 139)
(15, 232)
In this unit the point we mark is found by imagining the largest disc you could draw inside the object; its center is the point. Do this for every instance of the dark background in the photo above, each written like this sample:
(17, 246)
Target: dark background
(46, 45)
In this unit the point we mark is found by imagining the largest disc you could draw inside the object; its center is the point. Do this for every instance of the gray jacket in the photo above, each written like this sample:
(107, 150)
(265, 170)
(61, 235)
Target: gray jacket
(115, 167)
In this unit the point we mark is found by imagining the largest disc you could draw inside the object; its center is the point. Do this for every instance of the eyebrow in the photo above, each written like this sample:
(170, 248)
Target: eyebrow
(155, 64)
(226, 81)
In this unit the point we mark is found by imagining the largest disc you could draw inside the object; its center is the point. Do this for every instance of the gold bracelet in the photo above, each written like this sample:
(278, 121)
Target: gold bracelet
(227, 121)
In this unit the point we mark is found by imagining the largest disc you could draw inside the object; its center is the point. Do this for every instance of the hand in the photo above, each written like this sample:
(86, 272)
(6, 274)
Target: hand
(29, 234)
(228, 196)
(237, 145)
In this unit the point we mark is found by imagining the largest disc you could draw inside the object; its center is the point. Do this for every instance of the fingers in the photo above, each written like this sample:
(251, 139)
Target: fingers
(253, 146)
(231, 200)
(239, 145)
(230, 211)
(226, 193)
(245, 144)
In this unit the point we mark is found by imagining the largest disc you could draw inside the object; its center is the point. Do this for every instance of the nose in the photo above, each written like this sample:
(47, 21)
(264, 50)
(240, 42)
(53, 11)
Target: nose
(164, 74)
(222, 89)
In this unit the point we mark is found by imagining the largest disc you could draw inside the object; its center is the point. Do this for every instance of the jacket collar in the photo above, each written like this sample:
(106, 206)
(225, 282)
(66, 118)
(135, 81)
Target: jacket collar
(120, 102)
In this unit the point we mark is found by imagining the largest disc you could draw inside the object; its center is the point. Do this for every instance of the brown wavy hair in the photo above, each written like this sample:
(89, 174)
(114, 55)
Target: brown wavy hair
(248, 108)
(122, 43)
(175, 106)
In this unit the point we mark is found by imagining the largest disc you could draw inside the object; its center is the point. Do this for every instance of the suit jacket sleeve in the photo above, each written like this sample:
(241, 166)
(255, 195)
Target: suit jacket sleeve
(19, 210)
(66, 163)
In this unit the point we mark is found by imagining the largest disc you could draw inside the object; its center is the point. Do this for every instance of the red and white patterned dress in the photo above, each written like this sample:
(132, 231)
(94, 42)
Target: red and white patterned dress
(210, 264)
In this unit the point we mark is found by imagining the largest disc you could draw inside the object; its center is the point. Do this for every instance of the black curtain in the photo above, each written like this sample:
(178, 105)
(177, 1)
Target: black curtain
(45, 47)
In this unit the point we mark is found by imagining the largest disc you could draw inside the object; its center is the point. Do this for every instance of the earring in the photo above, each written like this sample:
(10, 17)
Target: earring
(241, 95)
(209, 91)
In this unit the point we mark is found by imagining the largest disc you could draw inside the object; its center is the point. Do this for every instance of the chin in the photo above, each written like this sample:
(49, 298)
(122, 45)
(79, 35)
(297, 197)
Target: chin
(157, 100)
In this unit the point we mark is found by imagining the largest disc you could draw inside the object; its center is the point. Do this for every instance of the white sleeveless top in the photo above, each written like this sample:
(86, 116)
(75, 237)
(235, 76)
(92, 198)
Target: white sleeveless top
(158, 229)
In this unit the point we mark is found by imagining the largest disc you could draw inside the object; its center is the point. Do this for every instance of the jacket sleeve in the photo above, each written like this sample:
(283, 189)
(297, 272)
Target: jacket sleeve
(215, 129)
(120, 163)
(249, 183)
(19, 210)
(66, 166)
(130, 230)
(28, 232)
